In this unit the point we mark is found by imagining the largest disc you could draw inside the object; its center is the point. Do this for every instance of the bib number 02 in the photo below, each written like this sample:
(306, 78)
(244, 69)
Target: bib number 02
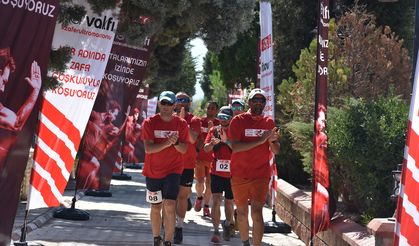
(154, 196)
(223, 166)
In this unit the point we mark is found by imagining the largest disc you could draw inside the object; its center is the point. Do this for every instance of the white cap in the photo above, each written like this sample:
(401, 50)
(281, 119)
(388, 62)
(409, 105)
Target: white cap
(255, 92)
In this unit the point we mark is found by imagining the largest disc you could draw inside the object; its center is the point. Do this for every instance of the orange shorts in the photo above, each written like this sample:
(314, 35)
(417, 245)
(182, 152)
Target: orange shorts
(249, 189)
(202, 168)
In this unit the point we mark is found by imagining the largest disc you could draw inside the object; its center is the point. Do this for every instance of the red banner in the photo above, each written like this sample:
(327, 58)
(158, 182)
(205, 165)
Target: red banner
(113, 116)
(320, 217)
(26, 29)
(407, 226)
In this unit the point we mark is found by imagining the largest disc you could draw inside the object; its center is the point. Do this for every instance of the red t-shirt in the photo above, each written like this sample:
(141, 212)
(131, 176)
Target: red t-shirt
(221, 164)
(189, 158)
(202, 155)
(169, 160)
(253, 163)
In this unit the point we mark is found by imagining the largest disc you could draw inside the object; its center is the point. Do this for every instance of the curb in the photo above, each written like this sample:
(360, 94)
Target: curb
(43, 218)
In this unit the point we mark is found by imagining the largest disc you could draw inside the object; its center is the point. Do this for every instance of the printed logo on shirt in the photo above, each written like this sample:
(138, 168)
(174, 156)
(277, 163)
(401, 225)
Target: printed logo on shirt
(163, 133)
(204, 129)
(254, 132)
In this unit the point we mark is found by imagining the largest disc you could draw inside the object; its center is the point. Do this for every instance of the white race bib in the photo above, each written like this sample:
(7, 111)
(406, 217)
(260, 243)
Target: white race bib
(154, 197)
(163, 134)
(254, 132)
(222, 166)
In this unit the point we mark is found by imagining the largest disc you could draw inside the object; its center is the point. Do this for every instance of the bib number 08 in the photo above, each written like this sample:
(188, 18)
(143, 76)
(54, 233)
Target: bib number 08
(154, 196)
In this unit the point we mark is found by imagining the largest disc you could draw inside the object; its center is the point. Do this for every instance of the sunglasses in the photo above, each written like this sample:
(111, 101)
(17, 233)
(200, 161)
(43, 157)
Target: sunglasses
(258, 100)
(166, 103)
(223, 117)
(236, 108)
(182, 100)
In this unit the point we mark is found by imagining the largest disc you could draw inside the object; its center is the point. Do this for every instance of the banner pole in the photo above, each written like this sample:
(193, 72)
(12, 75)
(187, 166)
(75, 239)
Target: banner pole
(22, 240)
(72, 213)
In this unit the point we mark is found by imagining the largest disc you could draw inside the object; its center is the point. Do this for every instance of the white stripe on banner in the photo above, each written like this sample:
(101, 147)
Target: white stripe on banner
(411, 165)
(53, 155)
(47, 176)
(411, 209)
(37, 200)
(60, 134)
(403, 241)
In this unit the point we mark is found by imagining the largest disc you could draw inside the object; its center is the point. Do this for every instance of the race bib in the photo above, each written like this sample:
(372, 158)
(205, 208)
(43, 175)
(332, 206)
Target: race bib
(222, 166)
(154, 196)
(254, 132)
(163, 134)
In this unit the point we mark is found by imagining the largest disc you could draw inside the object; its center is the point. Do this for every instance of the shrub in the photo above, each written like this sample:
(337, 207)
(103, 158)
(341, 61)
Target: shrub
(366, 141)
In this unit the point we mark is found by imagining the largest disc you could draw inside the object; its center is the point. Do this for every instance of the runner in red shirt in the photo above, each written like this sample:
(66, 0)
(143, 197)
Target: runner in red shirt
(183, 102)
(165, 137)
(253, 136)
(218, 142)
(204, 160)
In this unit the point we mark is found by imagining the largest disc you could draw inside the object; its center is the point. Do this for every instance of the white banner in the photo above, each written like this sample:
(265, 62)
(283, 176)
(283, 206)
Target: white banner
(66, 110)
(151, 107)
(266, 57)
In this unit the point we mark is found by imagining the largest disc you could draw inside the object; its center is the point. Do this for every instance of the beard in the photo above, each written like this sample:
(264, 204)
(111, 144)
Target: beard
(257, 109)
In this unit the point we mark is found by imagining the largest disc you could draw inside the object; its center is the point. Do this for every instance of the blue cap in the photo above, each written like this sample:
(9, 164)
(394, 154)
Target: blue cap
(237, 101)
(225, 113)
(167, 95)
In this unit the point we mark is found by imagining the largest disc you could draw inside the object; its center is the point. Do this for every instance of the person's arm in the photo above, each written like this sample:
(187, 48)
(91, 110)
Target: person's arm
(35, 81)
(181, 147)
(209, 146)
(274, 141)
(238, 146)
(151, 147)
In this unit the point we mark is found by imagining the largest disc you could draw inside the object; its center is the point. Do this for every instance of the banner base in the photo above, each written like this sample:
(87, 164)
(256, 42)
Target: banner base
(71, 214)
(276, 227)
(119, 176)
(99, 193)
(134, 165)
(26, 244)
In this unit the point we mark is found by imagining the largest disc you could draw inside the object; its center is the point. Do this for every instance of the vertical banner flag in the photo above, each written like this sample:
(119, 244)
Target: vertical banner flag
(151, 107)
(112, 116)
(26, 30)
(65, 110)
(236, 94)
(407, 226)
(320, 217)
(267, 77)
(133, 146)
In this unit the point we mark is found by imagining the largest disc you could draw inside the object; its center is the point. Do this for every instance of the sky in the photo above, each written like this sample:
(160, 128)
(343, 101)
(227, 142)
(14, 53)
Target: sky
(198, 52)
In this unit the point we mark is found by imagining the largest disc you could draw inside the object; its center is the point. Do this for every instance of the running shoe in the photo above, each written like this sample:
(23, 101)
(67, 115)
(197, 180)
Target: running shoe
(157, 241)
(226, 231)
(178, 235)
(216, 237)
(207, 212)
(198, 204)
(167, 243)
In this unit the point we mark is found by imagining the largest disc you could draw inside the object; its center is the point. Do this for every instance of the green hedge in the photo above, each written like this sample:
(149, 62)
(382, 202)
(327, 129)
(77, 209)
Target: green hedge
(366, 142)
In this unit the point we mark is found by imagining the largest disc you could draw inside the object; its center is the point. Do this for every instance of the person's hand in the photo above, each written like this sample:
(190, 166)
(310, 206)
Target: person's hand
(223, 135)
(35, 80)
(210, 124)
(172, 139)
(266, 135)
(275, 135)
(215, 141)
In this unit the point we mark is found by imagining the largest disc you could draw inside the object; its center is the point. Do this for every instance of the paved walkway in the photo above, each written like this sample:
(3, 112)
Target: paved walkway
(122, 219)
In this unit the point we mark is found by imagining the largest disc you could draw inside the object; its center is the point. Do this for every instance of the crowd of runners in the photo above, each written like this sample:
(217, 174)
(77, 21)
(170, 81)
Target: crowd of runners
(228, 154)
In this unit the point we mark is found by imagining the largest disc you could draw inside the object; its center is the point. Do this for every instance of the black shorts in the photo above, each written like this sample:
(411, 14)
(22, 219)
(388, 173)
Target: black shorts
(220, 185)
(187, 177)
(168, 185)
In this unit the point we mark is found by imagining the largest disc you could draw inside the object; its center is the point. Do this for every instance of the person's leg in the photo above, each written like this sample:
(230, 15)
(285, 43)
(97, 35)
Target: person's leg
(258, 190)
(155, 218)
(207, 192)
(258, 225)
(199, 186)
(240, 188)
(170, 193)
(185, 190)
(169, 219)
(216, 214)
